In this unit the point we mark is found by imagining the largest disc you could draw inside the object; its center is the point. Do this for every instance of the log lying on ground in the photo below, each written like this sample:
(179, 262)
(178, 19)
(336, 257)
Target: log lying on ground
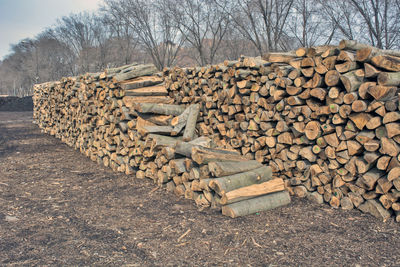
(251, 191)
(257, 204)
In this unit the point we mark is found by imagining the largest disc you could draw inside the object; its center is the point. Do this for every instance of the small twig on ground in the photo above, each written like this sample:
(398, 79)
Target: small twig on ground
(183, 236)
(153, 190)
(255, 243)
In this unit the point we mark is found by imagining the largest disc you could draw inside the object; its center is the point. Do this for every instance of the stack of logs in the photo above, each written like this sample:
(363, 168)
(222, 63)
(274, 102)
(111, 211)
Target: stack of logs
(123, 118)
(216, 178)
(326, 119)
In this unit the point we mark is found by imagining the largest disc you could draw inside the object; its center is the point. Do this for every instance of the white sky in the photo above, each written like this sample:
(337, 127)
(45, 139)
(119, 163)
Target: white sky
(20, 19)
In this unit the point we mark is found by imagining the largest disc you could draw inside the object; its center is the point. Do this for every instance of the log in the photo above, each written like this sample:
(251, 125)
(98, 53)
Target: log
(164, 109)
(190, 127)
(374, 208)
(381, 92)
(366, 53)
(257, 204)
(251, 191)
(121, 68)
(313, 130)
(180, 121)
(352, 45)
(370, 71)
(392, 129)
(136, 71)
(225, 184)
(131, 101)
(204, 155)
(155, 129)
(141, 82)
(162, 141)
(351, 81)
(394, 174)
(279, 57)
(386, 62)
(158, 90)
(389, 78)
(226, 168)
(185, 148)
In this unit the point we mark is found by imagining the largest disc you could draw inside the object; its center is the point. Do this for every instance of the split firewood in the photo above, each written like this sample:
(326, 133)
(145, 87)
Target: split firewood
(252, 191)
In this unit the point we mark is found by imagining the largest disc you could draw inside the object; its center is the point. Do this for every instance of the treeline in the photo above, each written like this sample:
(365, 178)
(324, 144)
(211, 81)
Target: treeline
(191, 32)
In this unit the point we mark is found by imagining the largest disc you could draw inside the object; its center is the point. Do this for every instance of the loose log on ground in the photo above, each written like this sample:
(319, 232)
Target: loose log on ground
(257, 204)
(251, 191)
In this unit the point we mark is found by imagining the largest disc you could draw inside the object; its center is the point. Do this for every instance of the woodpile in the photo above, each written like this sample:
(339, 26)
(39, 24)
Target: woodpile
(217, 178)
(326, 119)
(123, 118)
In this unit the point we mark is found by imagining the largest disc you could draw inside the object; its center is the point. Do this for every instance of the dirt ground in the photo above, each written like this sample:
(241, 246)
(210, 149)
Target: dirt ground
(13, 103)
(59, 208)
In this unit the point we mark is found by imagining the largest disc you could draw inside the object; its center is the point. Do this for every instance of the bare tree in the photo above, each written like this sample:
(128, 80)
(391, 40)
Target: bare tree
(152, 26)
(307, 24)
(262, 22)
(372, 21)
(122, 40)
(78, 32)
(203, 25)
(382, 20)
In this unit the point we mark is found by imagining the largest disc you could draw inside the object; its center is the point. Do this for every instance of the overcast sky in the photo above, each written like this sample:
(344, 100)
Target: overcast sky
(26, 18)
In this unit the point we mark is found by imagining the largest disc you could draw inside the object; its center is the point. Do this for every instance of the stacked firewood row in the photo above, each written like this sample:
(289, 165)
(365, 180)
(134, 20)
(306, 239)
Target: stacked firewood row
(326, 119)
(91, 112)
(122, 118)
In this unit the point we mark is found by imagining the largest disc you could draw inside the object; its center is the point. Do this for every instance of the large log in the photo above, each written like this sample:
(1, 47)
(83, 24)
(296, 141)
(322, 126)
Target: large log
(158, 90)
(131, 101)
(257, 204)
(164, 109)
(185, 148)
(136, 71)
(204, 155)
(225, 168)
(190, 127)
(375, 208)
(389, 78)
(279, 57)
(251, 191)
(180, 121)
(141, 82)
(225, 184)
(386, 62)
